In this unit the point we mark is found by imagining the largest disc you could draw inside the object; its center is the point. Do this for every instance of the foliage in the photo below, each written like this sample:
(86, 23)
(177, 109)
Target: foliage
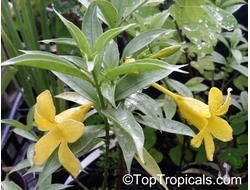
(180, 40)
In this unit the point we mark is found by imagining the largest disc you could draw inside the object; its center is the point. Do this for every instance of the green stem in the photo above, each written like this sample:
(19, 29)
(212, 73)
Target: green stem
(107, 140)
(79, 183)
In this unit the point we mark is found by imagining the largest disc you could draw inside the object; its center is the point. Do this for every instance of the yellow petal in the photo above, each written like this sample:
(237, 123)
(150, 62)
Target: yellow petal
(71, 130)
(223, 109)
(46, 145)
(209, 145)
(220, 128)
(215, 100)
(77, 113)
(190, 110)
(67, 159)
(197, 140)
(45, 112)
(205, 112)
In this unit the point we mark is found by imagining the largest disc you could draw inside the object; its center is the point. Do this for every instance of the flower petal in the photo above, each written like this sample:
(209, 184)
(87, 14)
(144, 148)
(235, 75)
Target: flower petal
(197, 140)
(215, 100)
(220, 128)
(46, 145)
(77, 113)
(45, 112)
(209, 145)
(190, 110)
(67, 159)
(71, 130)
(223, 109)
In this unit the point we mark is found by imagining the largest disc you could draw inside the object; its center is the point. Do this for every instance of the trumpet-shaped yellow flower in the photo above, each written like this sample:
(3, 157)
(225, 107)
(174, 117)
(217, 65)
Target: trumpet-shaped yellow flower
(64, 128)
(204, 117)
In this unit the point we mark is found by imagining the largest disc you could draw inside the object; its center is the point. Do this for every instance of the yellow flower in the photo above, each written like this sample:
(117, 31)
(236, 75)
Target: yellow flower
(204, 117)
(64, 128)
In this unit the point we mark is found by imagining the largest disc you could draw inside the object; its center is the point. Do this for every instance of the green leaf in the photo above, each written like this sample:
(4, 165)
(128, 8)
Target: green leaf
(147, 105)
(80, 86)
(7, 77)
(89, 134)
(120, 7)
(237, 55)
(131, 83)
(30, 116)
(105, 38)
(238, 125)
(77, 61)
(91, 26)
(109, 12)
(126, 143)
(51, 165)
(159, 19)
(13, 123)
(169, 107)
(150, 137)
(242, 69)
(130, 68)
(235, 160)
(167, 125)
(25, 134)
(195, 80)
(193, 9)
(221, 17)
(143, 40)
(108, 91)
(244, 99)
(243, 186)
(111, 55)
(73, 96)
(216, 57)
(179, 87)
(158, 156)
(76, 34)
(86, 4)
(197, 87)
(241, 82)
(132, 9)
(175, 154)
(66, 41)
(56, 186)
(8, 185)
(231, 2)
(21, 165)
(151, 167)
(232, 9)
(125, 120)
(47, 61)
(201, 155)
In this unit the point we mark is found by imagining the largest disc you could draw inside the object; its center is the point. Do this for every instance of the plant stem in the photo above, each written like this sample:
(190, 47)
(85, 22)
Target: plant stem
(79, 183)
(107, 140)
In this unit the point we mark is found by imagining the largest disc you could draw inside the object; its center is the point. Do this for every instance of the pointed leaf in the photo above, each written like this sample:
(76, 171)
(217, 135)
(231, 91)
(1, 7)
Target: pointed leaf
(25, 134)
(244, 99)
(80, 86)
(131, 83)
(109, 12)
(77, 61)
(8, 185)
(221, 17)
(147, 105)
(91, 26)
(169, 107)
(242, 69)
(105, 38)
(120, 7)
(47, 61)
(76, 34)
(167, 125)
(21, 165)
(151, 167)
(179, 87)
(73, 96)
(108, 91)
(237, 55)
(125, 120)
(13, 123)
(7, 77)
(142, 40)
(66, 41)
